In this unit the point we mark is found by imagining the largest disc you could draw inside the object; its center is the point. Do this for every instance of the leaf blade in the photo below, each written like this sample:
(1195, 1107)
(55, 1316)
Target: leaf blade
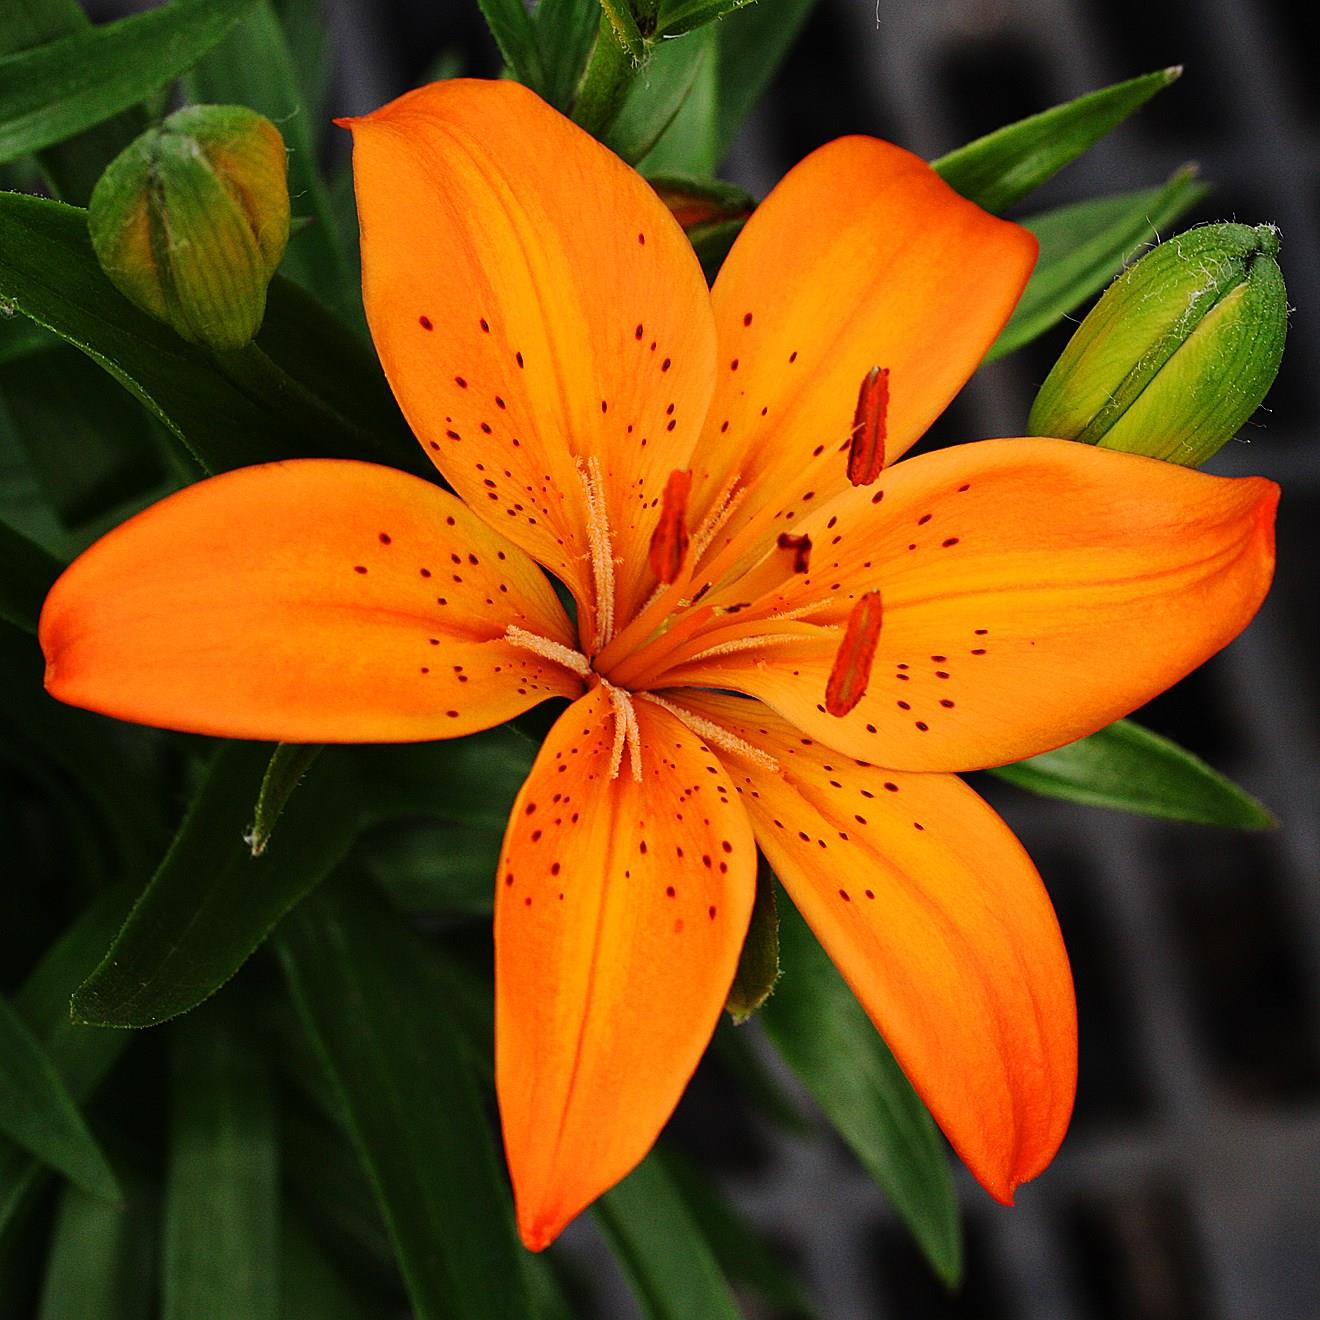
(1127, 767)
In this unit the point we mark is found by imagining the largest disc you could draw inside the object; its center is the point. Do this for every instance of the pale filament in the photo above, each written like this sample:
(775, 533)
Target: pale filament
(627, 732)
(548, 649)
(602, 552)
(728, 500)
(715, 734)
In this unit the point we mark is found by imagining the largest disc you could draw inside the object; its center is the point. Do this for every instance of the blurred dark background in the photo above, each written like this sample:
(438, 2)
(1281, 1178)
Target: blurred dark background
(1189, 1188)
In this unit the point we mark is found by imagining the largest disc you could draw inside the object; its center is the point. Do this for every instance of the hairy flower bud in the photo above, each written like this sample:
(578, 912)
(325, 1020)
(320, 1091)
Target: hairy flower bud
(1178, 353)
(191, 220)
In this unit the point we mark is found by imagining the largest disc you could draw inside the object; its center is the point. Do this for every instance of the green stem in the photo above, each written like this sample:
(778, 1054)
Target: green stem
(609, 72)
(265, 381)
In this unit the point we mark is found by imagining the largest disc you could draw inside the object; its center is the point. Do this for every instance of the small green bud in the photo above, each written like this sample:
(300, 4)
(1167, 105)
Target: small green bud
(191, 220)
(1178, 353)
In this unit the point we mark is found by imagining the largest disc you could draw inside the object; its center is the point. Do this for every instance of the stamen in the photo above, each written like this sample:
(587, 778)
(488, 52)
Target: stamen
(866, 452)
(729, 499)
(801, 548)
(749, 644)
(626, 731)
(670, 540)
(714, 733)
(852, 664)
(548, 650)
(602, 555)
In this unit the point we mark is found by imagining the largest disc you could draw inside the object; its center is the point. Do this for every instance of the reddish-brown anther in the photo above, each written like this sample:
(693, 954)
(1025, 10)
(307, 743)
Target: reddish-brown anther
(866, 453)
(669, 541)
(801, 548)
(852, 664)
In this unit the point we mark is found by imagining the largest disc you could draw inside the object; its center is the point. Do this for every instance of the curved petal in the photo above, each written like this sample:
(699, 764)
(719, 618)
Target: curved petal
(620, 912)
(938, 921)
(1033, 591)
(535, 306)
(861, 257)
(311, 601)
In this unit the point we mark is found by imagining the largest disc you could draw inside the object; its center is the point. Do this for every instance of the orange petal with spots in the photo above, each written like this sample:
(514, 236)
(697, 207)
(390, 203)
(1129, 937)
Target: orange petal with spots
(861, 257)
(1034, 591)
(939, 922)
(534, 305)
(312, 601)
(620, 911)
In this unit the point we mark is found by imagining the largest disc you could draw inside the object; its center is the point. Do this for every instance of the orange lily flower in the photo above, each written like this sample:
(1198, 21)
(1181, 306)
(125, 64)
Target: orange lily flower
(780, 641)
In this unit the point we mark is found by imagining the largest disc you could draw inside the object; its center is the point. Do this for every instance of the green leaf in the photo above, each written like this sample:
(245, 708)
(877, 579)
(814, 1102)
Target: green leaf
(1128, 768)
(565, 31)
(1004, 166)
(511, 26)
(102, 1257)
(672, 1269)
(82, 1055)
(20, 338)
(744, 1256)
(435, 868)
(825, 1037)
(72, 166)
(49, 272)
(311, 1285)
(253, 66)
(1083, 245)
(656, 95)
(27, 573)
(38, 1113)
(288, 764)
(690, 144)
(211, 903)
(378, 1006)
(221, 1234)
(680, 16)
(55, 90)
(88, 443)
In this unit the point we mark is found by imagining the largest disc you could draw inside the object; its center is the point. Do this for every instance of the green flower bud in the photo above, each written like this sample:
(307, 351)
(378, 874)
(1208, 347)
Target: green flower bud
(191, 220)
(1178, 353)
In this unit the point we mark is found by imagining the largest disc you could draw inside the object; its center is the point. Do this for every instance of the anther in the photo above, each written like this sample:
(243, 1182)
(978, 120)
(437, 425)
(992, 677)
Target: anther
(856, 653)
(801, 548)
(670, 540)
(866, 452)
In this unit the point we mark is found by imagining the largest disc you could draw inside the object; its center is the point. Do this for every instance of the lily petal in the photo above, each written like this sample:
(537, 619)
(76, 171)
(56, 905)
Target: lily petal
(938, 921)
(862, 257)
(1033, 591)
(621, 908)
(535, 306)
(311, 601)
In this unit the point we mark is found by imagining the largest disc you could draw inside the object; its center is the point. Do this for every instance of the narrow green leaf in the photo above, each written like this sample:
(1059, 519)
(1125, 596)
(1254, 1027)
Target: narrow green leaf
(49, 272)
(744, 1256)
(58, 89)
(74, 165)
(669, 1263)
(253, 66)
(311, 1285)
(83, 1055)
(211, 903)
(435, 868)
(220, 1254)
(1004, 166)
(512, 29)
(754, 42)
(826, 1038)
(1084, 245)
(102, 1256)
(690, 144)
(288, 764)
(680, 16)
(1128, 768)
(27, 573)
(38, 1113)
(378, 1006)
(21, 338)
(565, 30)
(656, 96)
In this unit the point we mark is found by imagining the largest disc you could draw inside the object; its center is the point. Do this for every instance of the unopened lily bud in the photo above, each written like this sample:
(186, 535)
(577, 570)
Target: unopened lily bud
(1178, 353)
(191, 220)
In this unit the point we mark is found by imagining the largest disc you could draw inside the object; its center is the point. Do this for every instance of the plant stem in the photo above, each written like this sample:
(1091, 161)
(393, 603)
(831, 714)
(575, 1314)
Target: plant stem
(610, 70)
